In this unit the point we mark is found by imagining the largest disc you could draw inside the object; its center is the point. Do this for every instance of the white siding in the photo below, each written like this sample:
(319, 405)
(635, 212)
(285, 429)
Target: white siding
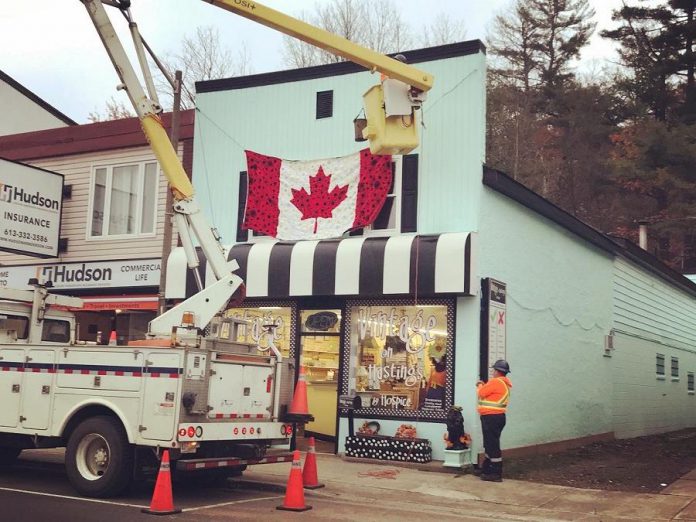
(644, 404)
(20, 114)
(646, 306)
(651, 317)
(77, 170)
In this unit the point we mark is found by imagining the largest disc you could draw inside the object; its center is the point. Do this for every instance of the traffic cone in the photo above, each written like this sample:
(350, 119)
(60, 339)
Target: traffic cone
(299, 399)
(294, 493)
(162, 502)
(310, 478)
(112, 338)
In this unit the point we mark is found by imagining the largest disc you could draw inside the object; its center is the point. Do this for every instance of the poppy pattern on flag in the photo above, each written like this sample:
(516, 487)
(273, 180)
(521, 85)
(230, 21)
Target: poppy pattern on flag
(316, 199)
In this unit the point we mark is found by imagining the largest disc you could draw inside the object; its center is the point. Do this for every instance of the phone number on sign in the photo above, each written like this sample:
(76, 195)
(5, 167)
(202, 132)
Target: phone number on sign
(25, 235)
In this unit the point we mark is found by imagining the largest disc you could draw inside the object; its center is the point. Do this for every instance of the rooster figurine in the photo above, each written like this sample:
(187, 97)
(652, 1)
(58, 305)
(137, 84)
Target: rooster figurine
(455, 437)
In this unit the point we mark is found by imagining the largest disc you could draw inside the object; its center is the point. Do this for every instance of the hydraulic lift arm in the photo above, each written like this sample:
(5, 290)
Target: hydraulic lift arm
(188, 216)
(330, 42)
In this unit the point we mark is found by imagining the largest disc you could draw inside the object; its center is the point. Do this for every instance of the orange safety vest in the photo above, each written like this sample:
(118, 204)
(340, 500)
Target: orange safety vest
(494, 396)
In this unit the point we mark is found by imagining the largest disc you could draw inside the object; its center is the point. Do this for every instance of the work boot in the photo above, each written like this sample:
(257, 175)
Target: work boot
(494, 473)
(485, 467)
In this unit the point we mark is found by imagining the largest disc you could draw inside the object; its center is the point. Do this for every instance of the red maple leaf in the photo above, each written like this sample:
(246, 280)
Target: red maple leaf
(320, 202)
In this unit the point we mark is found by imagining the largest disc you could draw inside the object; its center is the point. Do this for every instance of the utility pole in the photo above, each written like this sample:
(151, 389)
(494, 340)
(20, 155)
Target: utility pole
(168, 213)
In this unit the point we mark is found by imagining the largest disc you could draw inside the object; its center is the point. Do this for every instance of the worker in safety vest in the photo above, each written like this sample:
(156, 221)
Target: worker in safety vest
(493, 398)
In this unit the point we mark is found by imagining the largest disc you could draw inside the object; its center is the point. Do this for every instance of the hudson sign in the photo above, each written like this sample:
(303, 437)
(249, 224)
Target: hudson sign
(30, 209)
(96, 274)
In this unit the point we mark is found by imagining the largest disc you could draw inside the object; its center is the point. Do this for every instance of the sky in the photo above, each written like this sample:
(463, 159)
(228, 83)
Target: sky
(52, 48)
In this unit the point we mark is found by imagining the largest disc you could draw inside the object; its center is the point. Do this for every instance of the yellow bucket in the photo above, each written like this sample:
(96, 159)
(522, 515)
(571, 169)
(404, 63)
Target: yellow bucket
(387, 135)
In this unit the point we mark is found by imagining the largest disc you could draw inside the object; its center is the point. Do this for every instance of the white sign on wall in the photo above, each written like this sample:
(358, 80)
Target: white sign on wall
(30, 209)
(496, 322)
(94, 274)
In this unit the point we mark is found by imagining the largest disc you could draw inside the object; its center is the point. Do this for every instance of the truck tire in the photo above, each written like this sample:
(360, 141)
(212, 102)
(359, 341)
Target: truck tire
(9, 455)
(98, 458)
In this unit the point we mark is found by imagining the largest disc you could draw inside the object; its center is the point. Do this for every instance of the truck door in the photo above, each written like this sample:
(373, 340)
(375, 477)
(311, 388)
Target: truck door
(11, 362)
(36, 389)
(257, 394)
(240, 390)
(159, 409)
(225, 395)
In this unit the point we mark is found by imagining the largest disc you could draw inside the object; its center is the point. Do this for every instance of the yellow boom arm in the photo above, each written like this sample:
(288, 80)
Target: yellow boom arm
(327, 41)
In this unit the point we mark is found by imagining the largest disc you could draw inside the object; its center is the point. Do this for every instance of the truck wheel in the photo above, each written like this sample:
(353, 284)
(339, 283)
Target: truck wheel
(98, 458)
(9, 455)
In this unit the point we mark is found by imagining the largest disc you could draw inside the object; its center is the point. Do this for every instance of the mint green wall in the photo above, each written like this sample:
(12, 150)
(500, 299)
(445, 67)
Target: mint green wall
(279, 120)
(559, 310)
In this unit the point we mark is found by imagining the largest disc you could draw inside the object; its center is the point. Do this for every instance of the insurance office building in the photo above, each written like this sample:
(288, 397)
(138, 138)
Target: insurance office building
(110, 222)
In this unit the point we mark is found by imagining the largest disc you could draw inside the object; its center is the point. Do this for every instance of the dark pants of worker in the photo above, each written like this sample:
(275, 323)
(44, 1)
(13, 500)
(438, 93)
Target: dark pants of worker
(492, 426)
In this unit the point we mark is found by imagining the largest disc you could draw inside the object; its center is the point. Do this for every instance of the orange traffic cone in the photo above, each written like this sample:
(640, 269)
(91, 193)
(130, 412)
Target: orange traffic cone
(310, 477)
(112, 338)
(162, 502)
(299, 399)
(294, 494)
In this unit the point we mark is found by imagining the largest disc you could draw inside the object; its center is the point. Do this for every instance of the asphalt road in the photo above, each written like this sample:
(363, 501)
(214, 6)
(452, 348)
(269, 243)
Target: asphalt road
(38, 491)
(32, 491)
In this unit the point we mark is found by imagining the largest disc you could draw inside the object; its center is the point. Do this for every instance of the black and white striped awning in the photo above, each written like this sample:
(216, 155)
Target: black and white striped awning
(373, 266)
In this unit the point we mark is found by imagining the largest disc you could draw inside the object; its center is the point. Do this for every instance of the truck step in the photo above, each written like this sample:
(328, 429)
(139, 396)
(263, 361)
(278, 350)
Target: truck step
(197, 464)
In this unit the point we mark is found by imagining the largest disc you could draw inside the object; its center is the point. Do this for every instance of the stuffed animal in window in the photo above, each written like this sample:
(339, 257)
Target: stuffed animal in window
(455, 437)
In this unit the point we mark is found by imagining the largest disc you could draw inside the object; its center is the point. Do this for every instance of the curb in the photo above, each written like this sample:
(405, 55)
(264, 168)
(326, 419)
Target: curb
(435, 467)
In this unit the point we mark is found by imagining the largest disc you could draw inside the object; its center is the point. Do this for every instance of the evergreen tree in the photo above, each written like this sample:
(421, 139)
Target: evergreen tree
(656, 45)
(531, 110)
(563, 28)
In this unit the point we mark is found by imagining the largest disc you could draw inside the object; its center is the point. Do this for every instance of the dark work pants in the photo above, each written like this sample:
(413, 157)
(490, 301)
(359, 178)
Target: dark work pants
(492, 426)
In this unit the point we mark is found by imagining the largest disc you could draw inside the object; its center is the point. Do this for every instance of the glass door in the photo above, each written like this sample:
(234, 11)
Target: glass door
(320, 341)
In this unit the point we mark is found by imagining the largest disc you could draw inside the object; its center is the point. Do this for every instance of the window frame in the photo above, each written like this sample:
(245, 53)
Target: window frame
(23, 336)
(110, 166)
(674, 368)
(326, 98)
(347, 358)
(660, 357)
(397, 173)
(690, 383)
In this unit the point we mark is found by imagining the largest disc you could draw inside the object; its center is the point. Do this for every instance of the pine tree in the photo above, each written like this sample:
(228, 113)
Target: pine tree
(656, 45)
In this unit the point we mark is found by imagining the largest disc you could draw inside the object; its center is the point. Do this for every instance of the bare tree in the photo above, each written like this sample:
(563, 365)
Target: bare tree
(377, 25)
(201, 57)
(443, 30)
(113, 110)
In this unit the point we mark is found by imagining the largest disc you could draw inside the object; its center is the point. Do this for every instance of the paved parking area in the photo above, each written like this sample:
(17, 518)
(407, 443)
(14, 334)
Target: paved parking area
(42, 489)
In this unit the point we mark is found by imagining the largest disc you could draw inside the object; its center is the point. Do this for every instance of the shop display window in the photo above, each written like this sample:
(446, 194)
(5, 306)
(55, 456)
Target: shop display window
(267, 325)
(400, 358)
(320, 338)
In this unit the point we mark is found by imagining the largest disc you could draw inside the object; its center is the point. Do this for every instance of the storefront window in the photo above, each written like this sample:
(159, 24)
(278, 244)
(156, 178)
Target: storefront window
(267, 325)
(320, 339)
(400, 360)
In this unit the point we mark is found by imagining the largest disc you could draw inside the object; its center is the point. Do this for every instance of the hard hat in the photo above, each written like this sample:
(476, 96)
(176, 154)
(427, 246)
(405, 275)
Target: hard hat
(502, 366)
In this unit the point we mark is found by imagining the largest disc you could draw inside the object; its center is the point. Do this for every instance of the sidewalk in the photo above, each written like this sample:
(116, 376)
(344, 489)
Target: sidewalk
(509, 500)
(377, 483)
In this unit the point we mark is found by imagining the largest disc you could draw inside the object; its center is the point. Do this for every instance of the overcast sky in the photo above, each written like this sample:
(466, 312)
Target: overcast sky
(51, 47)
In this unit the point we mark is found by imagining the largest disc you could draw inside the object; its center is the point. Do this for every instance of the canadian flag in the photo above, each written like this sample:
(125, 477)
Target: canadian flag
(318, 199)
